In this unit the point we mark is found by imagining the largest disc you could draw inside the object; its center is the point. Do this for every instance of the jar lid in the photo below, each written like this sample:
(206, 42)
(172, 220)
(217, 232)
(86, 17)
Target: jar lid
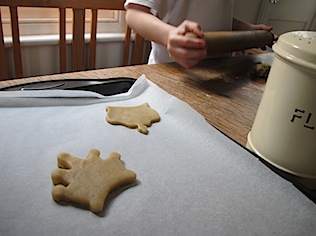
(298, 47)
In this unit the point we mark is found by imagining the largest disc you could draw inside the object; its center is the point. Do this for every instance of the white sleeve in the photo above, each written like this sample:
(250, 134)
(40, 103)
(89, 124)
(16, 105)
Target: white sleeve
(152, 4)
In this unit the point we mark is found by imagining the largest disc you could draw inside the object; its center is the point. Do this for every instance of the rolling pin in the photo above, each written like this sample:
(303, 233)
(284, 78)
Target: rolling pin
(229, 41)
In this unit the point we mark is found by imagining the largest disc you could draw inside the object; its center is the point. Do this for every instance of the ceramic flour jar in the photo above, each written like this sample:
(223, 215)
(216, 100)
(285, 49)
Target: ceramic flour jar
(284, 130)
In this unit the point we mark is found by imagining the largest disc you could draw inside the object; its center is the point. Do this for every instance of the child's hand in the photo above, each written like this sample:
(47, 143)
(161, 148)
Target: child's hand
(185, 50)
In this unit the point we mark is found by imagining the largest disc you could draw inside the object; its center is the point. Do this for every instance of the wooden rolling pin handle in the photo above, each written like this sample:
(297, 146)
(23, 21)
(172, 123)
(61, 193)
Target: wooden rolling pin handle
(229, 41)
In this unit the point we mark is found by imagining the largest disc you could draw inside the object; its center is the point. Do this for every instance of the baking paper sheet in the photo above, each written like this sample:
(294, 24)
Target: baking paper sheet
(191, 179)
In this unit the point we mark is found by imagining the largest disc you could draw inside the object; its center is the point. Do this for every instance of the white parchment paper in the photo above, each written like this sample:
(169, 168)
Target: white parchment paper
(191, 179)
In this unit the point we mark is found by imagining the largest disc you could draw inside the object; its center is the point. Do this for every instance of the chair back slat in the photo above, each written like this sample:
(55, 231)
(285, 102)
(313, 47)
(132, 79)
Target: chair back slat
(76, 4)
(77, 49)
(16, 42)
(127, 45)
(62, 40)
(3, 64)
(138, 49)
(93, 38)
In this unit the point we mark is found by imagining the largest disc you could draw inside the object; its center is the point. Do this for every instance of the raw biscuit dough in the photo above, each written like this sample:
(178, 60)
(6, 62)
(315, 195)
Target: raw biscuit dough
(141, 116)
(261, 70)
(89, 181)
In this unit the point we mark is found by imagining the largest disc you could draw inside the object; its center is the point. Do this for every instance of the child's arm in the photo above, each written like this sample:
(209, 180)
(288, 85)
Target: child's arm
(185, 51)
(149, 26)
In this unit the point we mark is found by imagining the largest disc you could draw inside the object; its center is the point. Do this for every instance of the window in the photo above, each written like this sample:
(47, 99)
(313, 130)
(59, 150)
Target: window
(45, 21)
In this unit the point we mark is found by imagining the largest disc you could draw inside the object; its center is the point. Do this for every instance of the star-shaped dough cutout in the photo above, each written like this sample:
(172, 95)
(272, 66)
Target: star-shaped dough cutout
(139, 117)
(88, 182)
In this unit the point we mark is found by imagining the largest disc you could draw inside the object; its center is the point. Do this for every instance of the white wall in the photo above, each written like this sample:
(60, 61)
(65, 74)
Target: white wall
(251, 10)
(247, 10)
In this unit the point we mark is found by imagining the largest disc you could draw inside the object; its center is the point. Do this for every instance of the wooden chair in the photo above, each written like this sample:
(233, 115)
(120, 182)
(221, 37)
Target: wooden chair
(79, 7)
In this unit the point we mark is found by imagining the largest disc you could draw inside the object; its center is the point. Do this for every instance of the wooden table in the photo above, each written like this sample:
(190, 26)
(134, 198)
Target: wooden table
(225, 91)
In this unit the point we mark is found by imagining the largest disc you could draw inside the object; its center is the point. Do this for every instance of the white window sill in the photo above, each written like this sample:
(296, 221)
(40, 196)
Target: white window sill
(35, 40)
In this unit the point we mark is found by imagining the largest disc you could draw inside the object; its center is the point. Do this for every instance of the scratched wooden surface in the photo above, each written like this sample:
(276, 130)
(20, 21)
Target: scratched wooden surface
(225, 91)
